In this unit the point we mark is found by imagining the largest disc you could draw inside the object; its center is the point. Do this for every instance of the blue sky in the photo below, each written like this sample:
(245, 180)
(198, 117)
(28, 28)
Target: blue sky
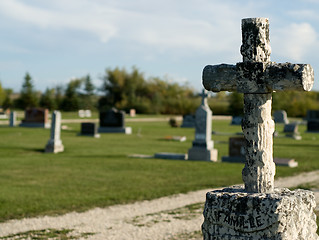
(58, 40)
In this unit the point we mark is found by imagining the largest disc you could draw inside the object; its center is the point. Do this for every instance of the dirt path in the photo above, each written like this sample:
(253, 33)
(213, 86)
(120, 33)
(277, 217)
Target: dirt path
(173, 217)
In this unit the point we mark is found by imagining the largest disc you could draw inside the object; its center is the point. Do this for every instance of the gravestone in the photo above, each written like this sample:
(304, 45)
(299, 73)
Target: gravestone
(89, 129)
(55, 145)
(36, 117)
(81, 113)
(113, 121)
(313, 121)
(13, 119)
(3, 115)
(291, 130)
(84, 113)
(237, 154)
(132, 112)
(280, 116)
(203, 146)
(258, 211)
(236, 120)
(188, 121)
(236, 150)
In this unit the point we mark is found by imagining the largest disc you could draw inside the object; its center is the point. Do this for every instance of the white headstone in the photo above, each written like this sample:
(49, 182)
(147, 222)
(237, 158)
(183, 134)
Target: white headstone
(203, 146)
(81, 113)
(55, 145)
(87, 113)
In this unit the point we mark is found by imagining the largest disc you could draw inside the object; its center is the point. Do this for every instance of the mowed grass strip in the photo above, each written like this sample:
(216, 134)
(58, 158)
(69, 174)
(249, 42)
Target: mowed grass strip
(98, 172)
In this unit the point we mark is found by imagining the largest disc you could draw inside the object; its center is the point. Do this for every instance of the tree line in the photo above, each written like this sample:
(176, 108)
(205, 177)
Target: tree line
(125, 90)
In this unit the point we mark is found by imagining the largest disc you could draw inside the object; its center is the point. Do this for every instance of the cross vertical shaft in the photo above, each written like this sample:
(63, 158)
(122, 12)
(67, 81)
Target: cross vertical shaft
(258, 126)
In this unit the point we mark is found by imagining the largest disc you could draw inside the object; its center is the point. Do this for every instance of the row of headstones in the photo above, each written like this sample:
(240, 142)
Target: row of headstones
(279, 116)
(111, 121)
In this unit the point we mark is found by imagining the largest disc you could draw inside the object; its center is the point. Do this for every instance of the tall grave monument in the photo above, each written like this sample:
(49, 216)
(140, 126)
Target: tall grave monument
(54, 144)
(258, 211)
(203, 146)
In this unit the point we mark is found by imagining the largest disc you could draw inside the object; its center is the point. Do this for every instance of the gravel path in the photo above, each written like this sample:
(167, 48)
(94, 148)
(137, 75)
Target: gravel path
(173, 217)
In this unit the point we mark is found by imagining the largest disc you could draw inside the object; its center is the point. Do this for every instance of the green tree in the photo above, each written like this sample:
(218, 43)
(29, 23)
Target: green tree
(47, 99)
(236, 104)
(28, 96)
(8, 103)
(2, 95)
(72, 99)
(58, 96)
(88, 95)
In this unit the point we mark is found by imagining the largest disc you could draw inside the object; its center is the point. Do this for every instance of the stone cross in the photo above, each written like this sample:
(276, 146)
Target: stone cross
(257, 77)
(204, 96)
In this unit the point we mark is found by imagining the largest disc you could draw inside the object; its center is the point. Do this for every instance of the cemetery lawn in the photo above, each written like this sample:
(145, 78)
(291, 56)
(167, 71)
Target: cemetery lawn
(98, 172)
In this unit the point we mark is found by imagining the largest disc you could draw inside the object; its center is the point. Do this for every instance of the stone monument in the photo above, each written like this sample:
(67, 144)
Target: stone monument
(55, 145)
(89, 129)
(280, 116)
(36, 117)
(188, 121)
(258, 211)
(13, 119)
(313, 121)
(291, 131)
(203, 146)
(113, 121)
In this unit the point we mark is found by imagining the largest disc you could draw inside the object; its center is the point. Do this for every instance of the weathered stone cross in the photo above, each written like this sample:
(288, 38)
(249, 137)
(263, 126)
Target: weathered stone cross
(257, 77)
(204, 96)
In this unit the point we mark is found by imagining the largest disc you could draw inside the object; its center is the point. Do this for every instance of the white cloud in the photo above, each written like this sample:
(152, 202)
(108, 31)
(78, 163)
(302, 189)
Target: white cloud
(164, 25)
(295, 41)
(85, 19)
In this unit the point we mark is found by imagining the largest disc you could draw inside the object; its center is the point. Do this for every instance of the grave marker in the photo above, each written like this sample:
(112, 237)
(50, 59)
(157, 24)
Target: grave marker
(203, 146)
(55, 145)
(36, 117)
(188, 121)
(258, 211)
(291, 131)
(13, 119)
(280, 116)
(89, 129)
(313, 121)
(113, 121)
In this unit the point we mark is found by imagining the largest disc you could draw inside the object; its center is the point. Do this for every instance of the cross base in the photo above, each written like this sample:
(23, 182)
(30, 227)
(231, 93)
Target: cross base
(232, 213)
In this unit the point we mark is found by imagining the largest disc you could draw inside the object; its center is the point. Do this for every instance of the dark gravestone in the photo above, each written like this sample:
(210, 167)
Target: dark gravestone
(113, 121)
(236, 150)
(188, 121)
(36, 117)
(236, 120)
(280, 116)
(313, 121)
(89, 129)
(291, 128)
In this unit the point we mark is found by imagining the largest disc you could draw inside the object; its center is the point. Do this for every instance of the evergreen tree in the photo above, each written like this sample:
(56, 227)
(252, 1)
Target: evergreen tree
(28, 97)
(8, 103)
(72, 99)
(88, 95)
(47, 99)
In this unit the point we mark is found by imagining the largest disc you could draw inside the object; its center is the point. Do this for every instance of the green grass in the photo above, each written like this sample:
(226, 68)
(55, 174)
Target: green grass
(98, 172)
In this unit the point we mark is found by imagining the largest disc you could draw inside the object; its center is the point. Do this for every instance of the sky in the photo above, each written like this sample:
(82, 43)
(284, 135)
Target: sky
(58, 40)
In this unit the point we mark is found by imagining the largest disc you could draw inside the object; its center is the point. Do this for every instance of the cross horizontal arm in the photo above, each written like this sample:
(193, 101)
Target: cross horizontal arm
(288, 76)
(258, 77)
(220, 78)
